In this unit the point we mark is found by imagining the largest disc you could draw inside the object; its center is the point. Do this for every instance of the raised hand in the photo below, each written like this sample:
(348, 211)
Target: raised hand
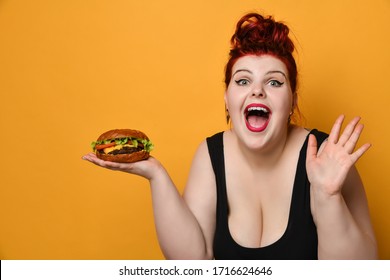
(328, 167)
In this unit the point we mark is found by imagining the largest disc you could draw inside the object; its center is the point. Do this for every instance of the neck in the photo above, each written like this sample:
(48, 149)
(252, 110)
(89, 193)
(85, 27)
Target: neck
(268, 155)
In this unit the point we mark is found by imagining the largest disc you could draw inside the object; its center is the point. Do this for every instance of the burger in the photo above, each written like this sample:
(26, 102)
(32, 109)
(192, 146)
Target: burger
(122, 145)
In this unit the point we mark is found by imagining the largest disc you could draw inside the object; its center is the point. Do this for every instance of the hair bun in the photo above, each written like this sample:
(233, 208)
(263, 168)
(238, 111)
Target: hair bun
(255, 32)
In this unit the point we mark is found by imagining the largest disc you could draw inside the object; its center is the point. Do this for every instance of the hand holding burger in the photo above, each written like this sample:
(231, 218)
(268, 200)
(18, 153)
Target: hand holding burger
(122, 145)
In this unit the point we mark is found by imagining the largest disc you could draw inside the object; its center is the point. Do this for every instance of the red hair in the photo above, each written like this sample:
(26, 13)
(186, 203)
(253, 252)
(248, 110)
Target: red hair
(258, 35)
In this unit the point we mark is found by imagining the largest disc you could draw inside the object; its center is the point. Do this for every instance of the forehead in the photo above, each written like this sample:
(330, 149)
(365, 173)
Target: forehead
(263, 63)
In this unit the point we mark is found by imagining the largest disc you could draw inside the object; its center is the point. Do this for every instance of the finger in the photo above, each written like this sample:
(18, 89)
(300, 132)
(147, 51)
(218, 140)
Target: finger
(311, 152)
(108, 164)
(348, 131)
(334, 133)
(88, 156)
(359, 152)
(354, 138)
(91, 157)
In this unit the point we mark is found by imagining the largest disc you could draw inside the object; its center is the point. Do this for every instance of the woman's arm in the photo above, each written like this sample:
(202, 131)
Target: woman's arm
(185, 226)
(179, 232)
(338, 201)
(201, 197)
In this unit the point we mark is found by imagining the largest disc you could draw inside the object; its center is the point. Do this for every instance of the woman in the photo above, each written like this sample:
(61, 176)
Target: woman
(265, 189)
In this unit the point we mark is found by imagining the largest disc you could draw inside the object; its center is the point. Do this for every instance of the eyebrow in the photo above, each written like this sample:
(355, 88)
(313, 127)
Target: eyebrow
(242, 70)
(277, 71)
(269, 72)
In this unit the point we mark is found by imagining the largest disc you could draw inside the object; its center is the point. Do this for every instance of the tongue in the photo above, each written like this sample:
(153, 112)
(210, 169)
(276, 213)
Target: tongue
(257, 121)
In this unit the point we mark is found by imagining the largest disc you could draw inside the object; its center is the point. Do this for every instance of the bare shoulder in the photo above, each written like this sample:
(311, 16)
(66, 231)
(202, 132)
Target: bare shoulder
(201, 179)
(201, 160)
(297, 136)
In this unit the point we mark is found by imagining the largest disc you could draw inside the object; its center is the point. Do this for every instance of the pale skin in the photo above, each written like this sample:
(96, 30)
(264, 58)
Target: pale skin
(259, 198)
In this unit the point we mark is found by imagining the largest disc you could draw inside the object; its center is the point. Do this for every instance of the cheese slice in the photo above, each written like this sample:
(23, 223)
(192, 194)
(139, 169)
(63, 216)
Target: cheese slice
(117, 147)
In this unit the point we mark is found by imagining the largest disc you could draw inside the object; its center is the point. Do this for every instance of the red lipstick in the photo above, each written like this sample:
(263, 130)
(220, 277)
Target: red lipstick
(257, 117)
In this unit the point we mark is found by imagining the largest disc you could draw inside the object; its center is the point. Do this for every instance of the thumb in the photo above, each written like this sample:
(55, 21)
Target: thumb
(311, 152)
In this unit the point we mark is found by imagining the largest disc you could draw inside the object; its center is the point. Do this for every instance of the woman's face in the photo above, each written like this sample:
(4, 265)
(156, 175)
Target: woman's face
(259, 99)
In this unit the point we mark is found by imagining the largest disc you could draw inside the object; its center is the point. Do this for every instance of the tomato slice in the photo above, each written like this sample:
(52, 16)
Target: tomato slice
(103, 146)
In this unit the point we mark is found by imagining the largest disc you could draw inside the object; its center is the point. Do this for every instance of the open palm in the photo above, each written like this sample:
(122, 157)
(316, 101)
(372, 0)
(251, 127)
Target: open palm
(145, 168)
(328, 167)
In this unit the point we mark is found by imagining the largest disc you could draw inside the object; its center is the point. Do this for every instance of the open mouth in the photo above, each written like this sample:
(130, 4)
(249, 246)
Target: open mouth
(257, 117)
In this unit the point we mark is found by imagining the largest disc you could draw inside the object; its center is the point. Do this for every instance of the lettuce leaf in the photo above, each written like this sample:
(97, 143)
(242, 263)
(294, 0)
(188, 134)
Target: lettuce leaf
(148, 145)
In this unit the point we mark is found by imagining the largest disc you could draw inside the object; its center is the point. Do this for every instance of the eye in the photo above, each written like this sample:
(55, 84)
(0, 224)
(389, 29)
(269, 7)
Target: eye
(242, 82)
(275, 83)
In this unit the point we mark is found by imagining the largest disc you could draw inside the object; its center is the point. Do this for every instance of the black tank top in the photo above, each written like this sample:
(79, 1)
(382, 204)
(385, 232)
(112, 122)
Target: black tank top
(299, 241)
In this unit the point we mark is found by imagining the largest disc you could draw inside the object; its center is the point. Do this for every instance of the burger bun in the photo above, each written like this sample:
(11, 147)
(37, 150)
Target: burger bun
(124, 158)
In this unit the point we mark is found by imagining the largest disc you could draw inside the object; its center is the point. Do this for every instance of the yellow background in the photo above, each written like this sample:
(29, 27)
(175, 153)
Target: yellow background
(69, 70)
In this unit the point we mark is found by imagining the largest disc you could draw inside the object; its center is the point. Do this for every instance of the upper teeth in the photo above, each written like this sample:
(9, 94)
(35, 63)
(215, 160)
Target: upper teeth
(258, 109)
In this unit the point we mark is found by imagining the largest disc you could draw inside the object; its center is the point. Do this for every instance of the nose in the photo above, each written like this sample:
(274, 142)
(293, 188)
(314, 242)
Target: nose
(258, 92)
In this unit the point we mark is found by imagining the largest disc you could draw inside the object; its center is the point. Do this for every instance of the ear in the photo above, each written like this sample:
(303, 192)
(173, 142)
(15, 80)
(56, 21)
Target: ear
(226, 108)
(295, 100)
(226, 102)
